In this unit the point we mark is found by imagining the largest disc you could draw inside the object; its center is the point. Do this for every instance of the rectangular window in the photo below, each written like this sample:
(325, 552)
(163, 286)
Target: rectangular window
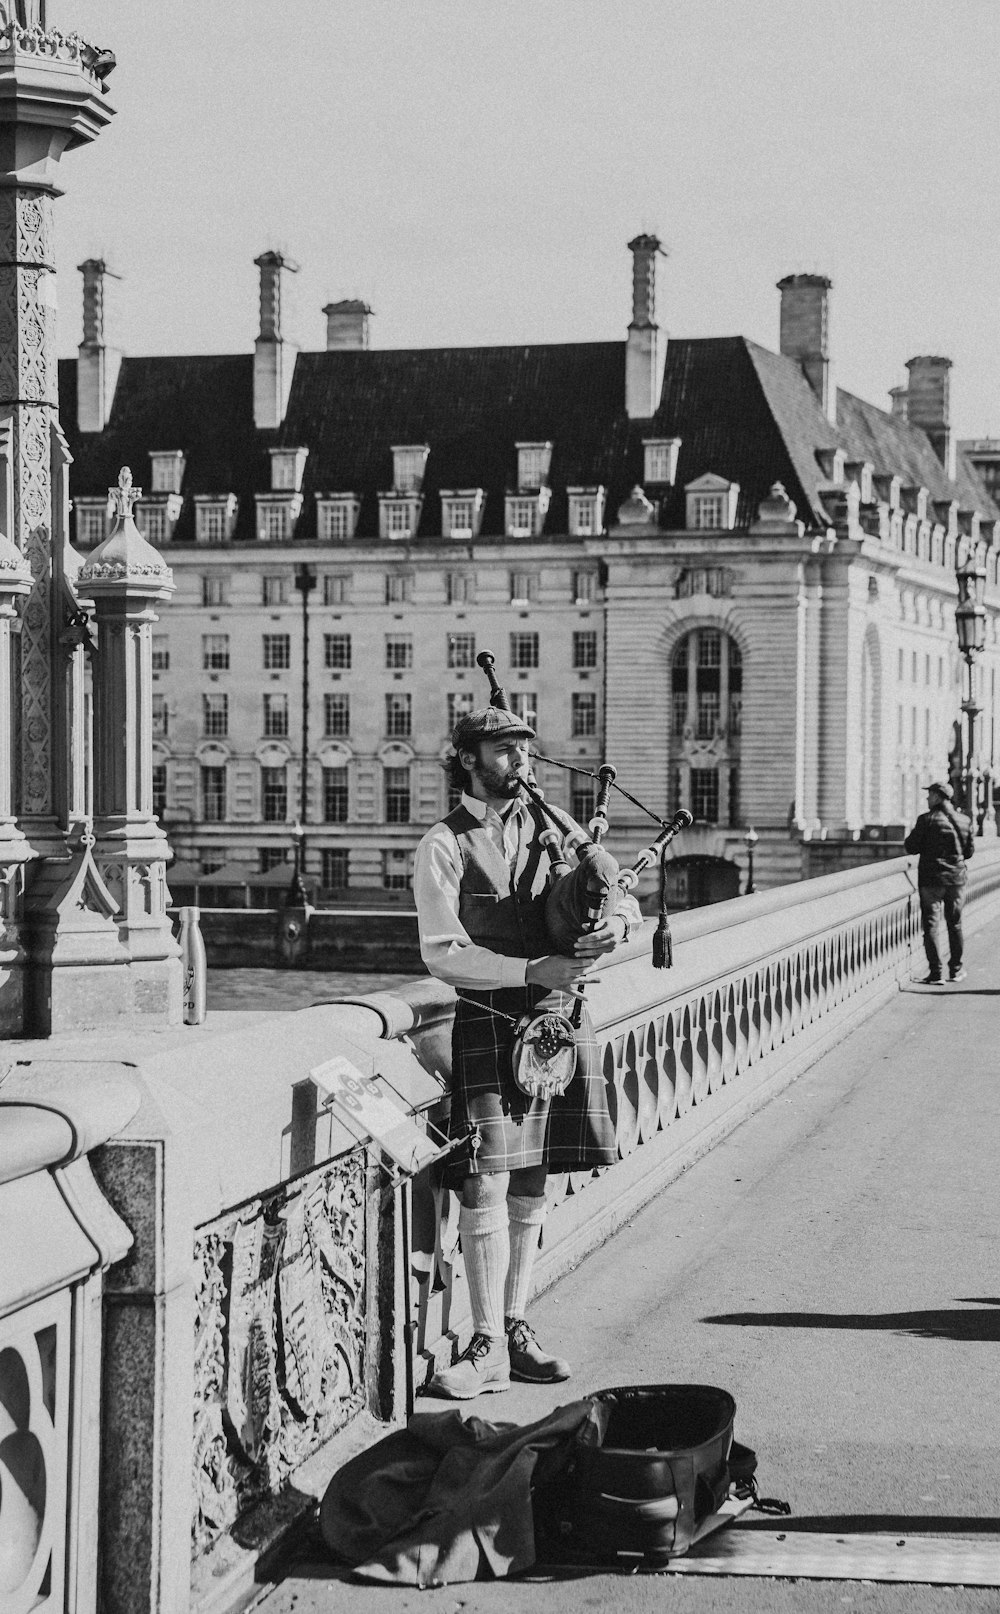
(335, 862)
(585, 648)
(161, 716)
(408, 468)
(400, 518)
(213, 795)
(524, 704)
(215, 715)
(336, 520)
(735, 713)
(583, 713)
(159, 789)
(398, 716)
(271, 857)
(335, 795)
(397, 871)
(337, 651)
(709, 648)
(398, 652)
(679, 706)
(91, 525)
(398, 588)
(459, 702)
(522, 518)
(336, 716)
(460, 588)
(211, 523)
(277, 651)
(215, 652)
(533, 460)
(336, 588)
(659, 461)
(708, 514)
(397, 795)
(276, 716)
(582, 797)
(461, 650)
(167, 472)
(460, 517)
(213, 590)
(273, 524)
(152, 523)
(584, 587)
(274, 589)
(524, 649)
(708, 714)
(583, 516)
(274, 795)
(161, 652)
(705, 794)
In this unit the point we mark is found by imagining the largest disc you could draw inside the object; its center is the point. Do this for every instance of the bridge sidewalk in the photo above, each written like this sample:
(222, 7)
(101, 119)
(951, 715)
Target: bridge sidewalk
(834, 1264)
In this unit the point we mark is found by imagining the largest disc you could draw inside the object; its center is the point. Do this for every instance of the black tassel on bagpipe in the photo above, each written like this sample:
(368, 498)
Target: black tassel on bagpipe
(663, 942)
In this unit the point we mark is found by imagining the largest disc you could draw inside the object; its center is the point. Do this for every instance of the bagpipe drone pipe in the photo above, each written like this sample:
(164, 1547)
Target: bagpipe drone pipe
(580, 897)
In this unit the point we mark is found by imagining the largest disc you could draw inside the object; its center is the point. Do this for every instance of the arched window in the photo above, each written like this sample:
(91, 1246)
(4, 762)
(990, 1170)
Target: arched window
(706, 712)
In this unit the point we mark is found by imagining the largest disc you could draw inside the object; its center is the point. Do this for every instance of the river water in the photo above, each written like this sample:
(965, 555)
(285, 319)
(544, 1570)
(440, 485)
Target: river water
(277, 990)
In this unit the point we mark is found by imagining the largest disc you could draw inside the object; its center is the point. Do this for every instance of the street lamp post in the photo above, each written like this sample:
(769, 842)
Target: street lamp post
(305, 582)
(970, 626)
(750, 840)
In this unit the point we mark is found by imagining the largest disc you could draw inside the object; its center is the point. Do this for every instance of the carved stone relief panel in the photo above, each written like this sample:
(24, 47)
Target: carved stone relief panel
(280, 1344)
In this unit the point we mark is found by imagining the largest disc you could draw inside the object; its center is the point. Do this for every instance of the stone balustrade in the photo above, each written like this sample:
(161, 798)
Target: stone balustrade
(266, 1296)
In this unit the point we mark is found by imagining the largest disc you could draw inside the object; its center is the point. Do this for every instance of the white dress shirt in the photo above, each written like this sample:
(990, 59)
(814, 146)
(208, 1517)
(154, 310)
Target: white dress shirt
(445, 945)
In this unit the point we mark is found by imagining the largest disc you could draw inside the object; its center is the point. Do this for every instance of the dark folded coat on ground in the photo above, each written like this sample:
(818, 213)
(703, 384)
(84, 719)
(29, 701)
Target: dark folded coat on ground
(449, 1498)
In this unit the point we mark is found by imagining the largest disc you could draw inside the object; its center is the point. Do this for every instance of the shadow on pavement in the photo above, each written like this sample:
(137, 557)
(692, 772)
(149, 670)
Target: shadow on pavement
(980, 1324)
(895, 1524)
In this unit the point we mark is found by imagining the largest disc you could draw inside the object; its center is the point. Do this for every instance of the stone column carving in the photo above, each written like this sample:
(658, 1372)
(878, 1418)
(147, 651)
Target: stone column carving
(125, 577)
(15, 583)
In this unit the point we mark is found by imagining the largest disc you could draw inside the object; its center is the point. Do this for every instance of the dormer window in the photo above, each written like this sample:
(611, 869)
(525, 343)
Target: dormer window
(832, 462)
(860, 471)
(277, 514)
(156, 516)
(287, 467)
(336, 517)
(462, 512)
(711, 504)
(533, 463)
(660, 460)
(586, 512)
(524, 514)
(889, 488)
(214, 517)
(399, 516)
(408, 464)
(167, 471)
(91, 521)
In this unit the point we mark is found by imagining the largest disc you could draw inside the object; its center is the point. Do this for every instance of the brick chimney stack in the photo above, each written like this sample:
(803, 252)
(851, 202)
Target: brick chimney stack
(805, 334)
(899, 403)
(274, 356)
(97, 364)
(929, 405)
(646, 349)
(347, 326)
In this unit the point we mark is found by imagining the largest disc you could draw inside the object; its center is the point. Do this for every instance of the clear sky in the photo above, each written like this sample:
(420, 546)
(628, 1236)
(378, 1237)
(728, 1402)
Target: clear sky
(475, 170)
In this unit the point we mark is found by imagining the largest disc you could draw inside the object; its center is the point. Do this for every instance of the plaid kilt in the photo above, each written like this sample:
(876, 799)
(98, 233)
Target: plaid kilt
(514, 1131)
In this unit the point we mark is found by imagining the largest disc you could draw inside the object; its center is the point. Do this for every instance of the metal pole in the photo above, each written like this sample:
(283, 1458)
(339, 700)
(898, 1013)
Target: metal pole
(305, 582)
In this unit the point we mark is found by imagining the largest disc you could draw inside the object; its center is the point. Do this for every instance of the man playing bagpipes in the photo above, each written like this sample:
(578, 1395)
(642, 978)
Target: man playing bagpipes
(481, 883)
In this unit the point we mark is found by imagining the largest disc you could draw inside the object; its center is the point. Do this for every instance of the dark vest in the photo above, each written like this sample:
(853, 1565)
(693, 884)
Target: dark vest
(502, 908)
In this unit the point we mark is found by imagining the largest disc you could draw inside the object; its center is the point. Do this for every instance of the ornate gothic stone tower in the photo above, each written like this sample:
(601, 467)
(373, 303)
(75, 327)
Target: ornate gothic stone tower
(72, 930)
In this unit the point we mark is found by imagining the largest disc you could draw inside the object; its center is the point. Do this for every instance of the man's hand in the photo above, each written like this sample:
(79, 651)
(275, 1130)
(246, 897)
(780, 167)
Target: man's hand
(602, 940)
(554, 971)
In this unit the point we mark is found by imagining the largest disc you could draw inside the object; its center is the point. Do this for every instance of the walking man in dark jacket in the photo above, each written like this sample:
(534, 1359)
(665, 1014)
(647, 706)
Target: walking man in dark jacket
(943, 838)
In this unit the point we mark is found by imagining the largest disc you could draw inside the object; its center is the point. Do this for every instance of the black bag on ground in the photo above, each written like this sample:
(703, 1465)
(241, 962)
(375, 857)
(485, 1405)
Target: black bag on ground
(666, 1462)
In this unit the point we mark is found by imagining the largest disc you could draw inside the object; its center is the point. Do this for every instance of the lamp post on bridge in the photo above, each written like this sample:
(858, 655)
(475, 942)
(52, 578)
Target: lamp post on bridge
(970, 626)
(750, 840)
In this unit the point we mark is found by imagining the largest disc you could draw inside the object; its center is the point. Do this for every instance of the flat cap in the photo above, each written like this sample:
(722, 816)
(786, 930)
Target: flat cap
(489, 723)
(942, 789)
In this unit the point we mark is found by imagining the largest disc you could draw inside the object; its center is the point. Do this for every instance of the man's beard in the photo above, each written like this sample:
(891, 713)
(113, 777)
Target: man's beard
(496, 783)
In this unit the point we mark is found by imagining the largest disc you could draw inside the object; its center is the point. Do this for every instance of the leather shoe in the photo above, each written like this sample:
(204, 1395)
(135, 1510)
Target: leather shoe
(932, 980)
(528, 1362)
(483, 1367)
(957, 975)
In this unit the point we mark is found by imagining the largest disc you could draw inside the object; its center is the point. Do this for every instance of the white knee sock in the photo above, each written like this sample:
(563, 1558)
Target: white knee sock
(526, 1218)
(486, 1249)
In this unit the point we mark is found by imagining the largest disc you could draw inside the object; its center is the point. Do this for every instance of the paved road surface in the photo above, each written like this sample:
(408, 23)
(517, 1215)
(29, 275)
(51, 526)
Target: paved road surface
(834, 1264)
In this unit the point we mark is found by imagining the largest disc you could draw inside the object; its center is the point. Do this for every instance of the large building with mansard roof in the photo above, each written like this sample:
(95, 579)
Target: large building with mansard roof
(699, 559)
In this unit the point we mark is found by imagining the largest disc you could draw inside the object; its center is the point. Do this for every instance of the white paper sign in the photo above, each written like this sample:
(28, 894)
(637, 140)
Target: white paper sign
(363, 1104)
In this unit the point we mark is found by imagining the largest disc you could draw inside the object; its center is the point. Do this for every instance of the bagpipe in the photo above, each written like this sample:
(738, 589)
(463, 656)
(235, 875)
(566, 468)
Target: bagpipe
(580, 897)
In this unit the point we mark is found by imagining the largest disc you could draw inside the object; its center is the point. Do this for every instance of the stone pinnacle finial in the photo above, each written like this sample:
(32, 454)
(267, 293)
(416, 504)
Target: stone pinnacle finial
(125, 497)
